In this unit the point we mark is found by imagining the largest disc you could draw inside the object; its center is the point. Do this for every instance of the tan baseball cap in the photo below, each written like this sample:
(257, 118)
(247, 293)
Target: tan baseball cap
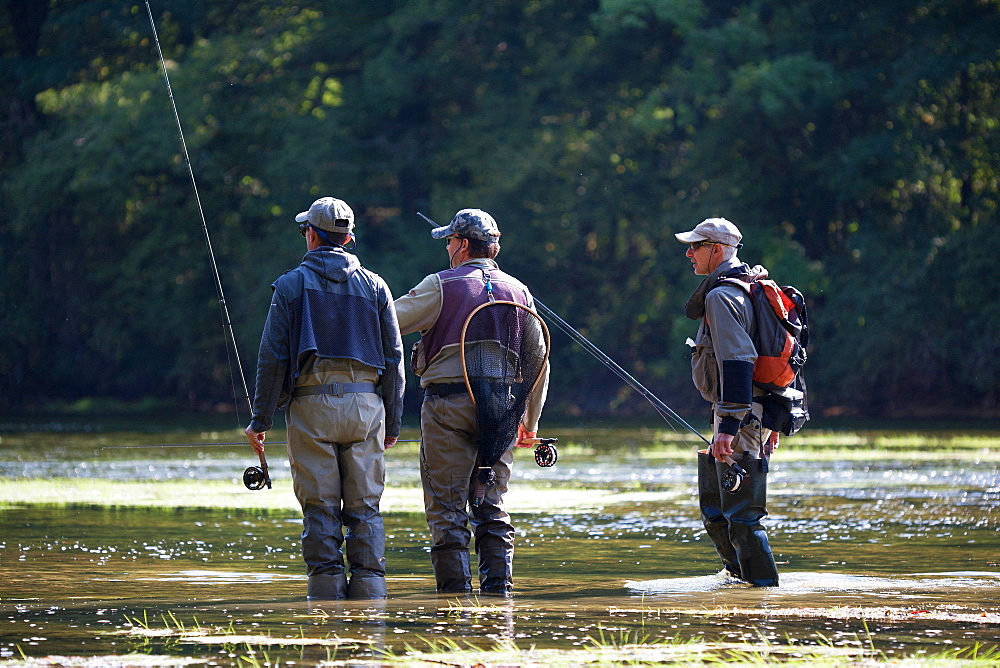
(329, 214)
(719, 230)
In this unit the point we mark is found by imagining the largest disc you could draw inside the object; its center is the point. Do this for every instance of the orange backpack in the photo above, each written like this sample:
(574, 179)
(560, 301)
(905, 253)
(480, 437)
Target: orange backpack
(781, 339)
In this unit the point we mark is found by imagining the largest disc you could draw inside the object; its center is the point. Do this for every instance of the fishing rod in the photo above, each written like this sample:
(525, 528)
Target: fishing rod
(258, 473)
(662, 409)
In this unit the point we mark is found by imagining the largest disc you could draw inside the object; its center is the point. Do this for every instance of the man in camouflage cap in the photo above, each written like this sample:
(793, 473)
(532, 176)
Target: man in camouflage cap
(471, 224)
(438, 307)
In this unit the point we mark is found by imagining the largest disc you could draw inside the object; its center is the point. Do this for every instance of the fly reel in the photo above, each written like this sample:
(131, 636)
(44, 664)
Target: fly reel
(256, 477)
(546, 453)
(732, 478)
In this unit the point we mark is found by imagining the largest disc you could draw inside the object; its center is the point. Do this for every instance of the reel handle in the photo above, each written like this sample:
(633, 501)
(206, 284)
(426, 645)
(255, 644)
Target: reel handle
(263, 466)
(736, 467)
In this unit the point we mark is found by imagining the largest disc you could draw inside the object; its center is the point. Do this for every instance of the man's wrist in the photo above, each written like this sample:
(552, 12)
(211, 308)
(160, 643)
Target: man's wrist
(729, 425)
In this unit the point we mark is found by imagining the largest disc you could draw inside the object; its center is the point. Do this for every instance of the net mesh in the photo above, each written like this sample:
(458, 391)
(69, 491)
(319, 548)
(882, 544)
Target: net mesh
(504, 347)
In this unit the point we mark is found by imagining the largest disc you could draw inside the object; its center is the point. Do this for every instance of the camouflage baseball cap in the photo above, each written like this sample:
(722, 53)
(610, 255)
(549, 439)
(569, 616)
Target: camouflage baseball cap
(471, 223)
(329, 214)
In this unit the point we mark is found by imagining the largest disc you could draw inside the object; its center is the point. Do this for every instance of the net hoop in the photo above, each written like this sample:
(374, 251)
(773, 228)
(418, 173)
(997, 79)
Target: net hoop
(465, 326)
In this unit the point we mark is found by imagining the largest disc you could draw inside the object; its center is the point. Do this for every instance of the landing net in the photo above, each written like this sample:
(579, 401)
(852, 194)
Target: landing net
(504, 350)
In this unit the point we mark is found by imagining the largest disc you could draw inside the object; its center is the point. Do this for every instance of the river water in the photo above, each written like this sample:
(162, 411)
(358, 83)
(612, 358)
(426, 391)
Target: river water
(895, 552)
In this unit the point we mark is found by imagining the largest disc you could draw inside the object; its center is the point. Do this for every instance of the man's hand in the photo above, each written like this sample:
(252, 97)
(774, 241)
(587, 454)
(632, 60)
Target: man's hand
(522, 435)
(771, 444)
(390, 441)
(255, 439)
(722, 447)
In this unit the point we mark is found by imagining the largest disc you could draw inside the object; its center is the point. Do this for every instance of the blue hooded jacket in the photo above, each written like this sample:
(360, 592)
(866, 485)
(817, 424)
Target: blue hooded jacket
(331, 307)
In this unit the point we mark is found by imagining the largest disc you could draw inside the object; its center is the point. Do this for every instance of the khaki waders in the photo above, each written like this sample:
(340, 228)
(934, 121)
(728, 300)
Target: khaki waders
(447, 468)
(335, 448)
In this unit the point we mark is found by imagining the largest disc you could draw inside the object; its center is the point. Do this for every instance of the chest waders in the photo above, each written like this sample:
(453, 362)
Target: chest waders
(733, 498)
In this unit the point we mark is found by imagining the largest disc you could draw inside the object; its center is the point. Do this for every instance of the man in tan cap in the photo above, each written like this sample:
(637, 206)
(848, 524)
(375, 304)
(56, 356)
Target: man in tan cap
(330, 340)
(722, 362)
(437, 307)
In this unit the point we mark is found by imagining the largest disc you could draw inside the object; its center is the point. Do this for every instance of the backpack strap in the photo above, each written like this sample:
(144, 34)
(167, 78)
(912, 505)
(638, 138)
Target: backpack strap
(734, 280)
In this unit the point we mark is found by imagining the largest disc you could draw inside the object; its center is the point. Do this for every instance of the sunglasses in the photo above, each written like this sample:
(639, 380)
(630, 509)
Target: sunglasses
(305, 226)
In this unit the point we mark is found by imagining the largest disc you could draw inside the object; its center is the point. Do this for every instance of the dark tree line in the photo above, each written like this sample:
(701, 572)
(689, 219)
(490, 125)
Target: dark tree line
(856, 144)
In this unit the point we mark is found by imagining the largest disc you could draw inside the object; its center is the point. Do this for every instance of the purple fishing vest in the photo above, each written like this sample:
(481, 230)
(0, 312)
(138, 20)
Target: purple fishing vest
(463, 289)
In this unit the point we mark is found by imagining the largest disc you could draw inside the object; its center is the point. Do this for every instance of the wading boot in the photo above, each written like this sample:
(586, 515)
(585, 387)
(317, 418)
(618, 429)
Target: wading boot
(744, 511)
(494, 546)
(365, 549)
(327, 587)
(496, 571)
(451, 571)
(710, 499)
(366, 588)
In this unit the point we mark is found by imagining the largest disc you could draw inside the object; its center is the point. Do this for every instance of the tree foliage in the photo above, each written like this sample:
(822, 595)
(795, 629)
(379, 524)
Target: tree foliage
(856, 145)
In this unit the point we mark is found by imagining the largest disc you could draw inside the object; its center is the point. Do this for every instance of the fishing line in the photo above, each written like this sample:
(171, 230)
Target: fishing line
(227, 322)
(662, 409)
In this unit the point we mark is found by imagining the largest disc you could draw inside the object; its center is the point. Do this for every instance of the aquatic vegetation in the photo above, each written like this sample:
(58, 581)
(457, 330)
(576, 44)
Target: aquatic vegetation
(628, 649)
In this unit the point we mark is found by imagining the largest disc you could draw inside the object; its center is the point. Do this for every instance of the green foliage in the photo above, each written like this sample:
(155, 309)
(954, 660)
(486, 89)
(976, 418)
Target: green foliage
(856, 145)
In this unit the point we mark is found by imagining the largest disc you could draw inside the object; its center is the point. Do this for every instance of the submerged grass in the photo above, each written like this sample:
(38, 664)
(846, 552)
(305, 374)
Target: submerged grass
(608, 647)
(174, 641)
(624, 648)
(448, 652)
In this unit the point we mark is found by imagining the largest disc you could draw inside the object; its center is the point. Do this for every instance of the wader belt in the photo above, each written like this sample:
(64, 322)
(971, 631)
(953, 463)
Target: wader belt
(444, 389)
(336, 389)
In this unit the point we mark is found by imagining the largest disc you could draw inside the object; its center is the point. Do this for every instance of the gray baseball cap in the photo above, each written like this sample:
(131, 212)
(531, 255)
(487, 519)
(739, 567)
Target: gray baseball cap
(719, 230)
(329, 214)
(471, 223)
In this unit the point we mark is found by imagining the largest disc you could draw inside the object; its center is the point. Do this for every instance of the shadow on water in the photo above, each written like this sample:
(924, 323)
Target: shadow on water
(900, 553)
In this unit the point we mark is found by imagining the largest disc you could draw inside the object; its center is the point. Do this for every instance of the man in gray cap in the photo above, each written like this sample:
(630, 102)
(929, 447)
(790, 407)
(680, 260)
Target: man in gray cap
(722, 362)
(438, 307)
(332, 353)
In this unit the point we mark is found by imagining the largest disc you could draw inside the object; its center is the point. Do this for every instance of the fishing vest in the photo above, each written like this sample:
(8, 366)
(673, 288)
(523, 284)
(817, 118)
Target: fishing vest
(334, 320)
(462, 290)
